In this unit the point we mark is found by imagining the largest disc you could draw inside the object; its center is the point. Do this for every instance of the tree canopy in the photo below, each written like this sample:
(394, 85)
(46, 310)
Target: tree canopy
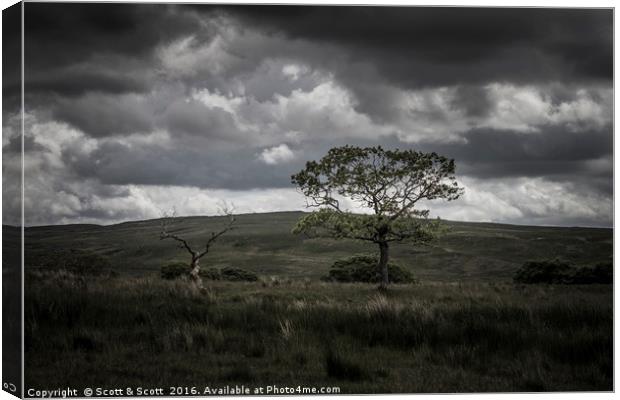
(387, 183)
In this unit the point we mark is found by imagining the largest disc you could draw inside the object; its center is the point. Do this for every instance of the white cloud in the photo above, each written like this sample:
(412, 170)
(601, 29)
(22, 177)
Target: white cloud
(277, 155)
(293, 71)
(431, 114)
(326, 110)
(516, 200)
(534, 201)
(270, 94)
(271, 104)
(196, 201)
(217, 100)
(526, 108)
(188, 56)
(55, 194)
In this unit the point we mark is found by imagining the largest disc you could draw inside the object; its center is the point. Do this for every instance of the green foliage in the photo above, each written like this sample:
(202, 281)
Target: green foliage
(237, 274)
(386, 181)
(178, 269)
(340, 225)
(559, 272)
(75, 261)
(363, 268)
(212, 274)
(543, 272)
(601, 273)
(174, 270)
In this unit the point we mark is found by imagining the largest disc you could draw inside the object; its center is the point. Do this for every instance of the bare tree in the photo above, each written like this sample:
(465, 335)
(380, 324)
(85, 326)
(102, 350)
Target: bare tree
(169, 232)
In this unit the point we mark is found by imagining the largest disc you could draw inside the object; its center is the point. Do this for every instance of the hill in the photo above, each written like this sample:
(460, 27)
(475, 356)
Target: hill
(263, 243)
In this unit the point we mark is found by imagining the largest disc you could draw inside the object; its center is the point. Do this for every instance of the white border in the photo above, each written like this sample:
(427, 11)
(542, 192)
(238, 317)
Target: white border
(479, 3)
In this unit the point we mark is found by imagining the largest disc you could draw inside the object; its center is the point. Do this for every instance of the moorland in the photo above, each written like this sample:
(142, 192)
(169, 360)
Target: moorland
(464, 327)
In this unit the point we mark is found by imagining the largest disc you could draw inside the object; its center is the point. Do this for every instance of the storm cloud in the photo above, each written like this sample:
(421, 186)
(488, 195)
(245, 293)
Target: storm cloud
(134, 108)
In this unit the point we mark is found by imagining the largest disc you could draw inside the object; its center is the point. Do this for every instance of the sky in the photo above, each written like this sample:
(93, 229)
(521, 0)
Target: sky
(133, 109)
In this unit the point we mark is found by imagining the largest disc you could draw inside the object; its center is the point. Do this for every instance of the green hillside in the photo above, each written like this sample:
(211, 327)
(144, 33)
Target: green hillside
(264, 244)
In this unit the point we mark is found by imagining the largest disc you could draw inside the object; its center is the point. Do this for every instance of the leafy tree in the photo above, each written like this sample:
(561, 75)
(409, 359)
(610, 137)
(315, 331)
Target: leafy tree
(388, 182)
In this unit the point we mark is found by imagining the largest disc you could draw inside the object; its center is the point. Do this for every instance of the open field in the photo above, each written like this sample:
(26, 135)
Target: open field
(263, 243)
(438, 337)
(465, 328)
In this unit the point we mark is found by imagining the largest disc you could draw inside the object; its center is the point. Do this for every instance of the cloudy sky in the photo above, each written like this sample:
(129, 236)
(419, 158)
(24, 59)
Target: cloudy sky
(133, 109)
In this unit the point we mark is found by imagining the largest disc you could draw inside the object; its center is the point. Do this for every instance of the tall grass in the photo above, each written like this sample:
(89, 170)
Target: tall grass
(421, 338)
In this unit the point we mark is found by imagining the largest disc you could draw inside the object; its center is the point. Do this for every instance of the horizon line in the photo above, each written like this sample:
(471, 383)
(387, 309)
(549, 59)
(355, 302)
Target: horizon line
(300, 211)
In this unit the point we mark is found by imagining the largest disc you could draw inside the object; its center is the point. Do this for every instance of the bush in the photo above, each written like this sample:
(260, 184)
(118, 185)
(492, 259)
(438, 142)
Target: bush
(174, 270)
(178, 269)
(543, 272)
(601, 273)
(238, 274)
(364, 268)
(78, 262)
(212, 274)
(558, 272)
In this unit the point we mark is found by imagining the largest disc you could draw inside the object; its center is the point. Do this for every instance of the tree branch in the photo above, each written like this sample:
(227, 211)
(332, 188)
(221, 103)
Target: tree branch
(167, 220)
(215, 236)
(183, 242)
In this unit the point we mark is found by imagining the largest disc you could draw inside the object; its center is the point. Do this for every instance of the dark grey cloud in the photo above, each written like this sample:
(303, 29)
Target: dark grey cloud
(444, 46)
(128, 98)
(14, 145)
(553, 143)
(238, 169)
(68, 33)
(556, 153)
(194, 118)
(473, 99)
(417, 47)
(74, 48)
(408, 46)
(11, 56)
(72, 81)
(100, 115)
(268, 82)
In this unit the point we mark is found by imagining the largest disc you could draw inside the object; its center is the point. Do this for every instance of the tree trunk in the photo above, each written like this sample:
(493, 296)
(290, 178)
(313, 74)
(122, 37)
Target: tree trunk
(383, 264)
(194, 274)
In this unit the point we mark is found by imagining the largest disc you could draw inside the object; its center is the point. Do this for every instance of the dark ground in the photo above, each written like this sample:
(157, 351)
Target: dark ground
(465, 328)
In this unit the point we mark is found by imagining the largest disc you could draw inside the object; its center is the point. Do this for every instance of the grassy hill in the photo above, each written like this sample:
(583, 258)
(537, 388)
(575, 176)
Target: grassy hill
(480, 335)
(263, 243)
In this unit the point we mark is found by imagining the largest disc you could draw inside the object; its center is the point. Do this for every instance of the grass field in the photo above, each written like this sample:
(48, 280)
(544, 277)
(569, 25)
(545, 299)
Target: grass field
(438, 337)
(263, 243)
(465, 328)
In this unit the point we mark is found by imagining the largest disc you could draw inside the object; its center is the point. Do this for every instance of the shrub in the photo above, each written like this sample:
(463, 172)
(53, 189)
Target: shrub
(558, 272)
(178, 269)
(212, 274)
(174, 270)
(78, 262)
(364, 268)
(543, 272)
(237, 274)
(601, 273)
